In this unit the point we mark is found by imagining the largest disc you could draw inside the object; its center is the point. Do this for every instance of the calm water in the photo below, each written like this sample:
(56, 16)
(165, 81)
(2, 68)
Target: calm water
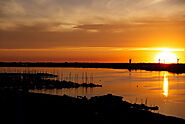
(164, 89)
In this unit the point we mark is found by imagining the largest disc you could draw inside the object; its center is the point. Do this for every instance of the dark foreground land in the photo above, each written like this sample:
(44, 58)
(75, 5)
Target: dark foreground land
(20, 107)
(174, 68)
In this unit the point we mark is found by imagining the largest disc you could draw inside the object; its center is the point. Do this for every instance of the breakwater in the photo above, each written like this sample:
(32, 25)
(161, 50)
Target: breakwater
(174, 68)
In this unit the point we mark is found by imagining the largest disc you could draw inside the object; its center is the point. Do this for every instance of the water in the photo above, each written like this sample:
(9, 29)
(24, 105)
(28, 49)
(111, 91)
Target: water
(160, 88)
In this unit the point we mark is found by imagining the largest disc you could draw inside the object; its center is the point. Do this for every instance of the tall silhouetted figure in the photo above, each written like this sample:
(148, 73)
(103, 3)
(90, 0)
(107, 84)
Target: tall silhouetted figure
(130, 61)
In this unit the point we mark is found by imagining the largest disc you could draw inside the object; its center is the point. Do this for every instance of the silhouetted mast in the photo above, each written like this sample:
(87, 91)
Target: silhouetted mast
(76, 78)
(82, 77)
(62, 76)
(92, 78)
(70, 76)
(146, 101)
(86, 79)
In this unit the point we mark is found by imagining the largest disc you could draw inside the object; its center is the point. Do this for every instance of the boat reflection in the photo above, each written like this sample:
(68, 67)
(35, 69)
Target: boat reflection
(165, 85)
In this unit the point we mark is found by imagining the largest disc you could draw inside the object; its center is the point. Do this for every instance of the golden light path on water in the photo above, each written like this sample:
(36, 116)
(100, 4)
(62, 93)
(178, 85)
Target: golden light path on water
(165, 85)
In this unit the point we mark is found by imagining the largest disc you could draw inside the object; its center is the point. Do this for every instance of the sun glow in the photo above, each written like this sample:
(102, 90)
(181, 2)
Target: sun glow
(166, 57)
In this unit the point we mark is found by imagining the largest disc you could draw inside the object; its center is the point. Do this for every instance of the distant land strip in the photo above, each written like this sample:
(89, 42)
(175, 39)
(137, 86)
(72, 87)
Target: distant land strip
(174, 68)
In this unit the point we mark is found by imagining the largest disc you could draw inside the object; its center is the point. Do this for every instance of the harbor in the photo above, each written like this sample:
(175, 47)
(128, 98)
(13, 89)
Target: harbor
(138, 87)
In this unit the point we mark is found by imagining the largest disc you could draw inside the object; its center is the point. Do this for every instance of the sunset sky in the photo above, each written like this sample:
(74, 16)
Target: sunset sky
(90, 30)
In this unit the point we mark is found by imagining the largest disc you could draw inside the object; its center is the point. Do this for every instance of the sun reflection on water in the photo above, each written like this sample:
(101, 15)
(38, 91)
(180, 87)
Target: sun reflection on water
(165, 85)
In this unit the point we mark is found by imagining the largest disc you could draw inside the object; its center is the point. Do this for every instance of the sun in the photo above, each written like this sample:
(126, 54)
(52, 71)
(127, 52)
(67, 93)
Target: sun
(166, 57)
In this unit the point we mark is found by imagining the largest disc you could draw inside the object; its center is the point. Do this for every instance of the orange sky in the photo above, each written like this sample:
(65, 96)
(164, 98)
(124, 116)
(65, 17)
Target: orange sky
(90, 30)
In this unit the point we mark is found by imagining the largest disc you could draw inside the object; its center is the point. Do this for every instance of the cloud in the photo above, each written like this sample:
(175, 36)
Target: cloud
(53, 34)
(90, 23)
(11, 8)
(87, 11)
